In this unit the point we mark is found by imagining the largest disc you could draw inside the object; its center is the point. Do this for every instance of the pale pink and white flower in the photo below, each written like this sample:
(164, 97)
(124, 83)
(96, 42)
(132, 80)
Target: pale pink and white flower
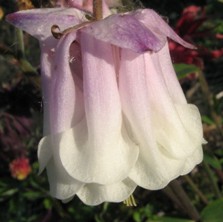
(115, 116)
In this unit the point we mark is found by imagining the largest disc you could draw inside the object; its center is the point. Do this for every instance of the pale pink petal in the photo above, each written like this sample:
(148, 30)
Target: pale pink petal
(66, 103)
(47, 56)
(140, 31)
(38, 22)
(181, 123)
(153, 169)
(87, 5)
(62, 105)
(114, 3)
(126, 32)
(155, 123)
(98, 150)
(65, 107)
(174, 89)
(94, 194)
(157, 25)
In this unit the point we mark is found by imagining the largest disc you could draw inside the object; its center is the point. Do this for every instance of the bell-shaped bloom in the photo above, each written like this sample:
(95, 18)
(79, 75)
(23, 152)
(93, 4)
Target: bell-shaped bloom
(115, 116)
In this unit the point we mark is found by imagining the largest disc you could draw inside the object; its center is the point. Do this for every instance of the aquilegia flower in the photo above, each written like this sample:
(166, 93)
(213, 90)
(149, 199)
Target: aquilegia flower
(115, 116)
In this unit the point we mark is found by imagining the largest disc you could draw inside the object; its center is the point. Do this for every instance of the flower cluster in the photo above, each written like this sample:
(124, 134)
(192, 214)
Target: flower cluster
(115, 116)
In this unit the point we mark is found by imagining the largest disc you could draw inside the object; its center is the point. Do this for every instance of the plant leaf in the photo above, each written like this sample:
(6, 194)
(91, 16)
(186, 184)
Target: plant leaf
(213, 212)
(183, 70)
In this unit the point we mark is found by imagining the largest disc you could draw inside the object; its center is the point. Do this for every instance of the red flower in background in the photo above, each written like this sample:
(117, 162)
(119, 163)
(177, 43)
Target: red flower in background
(20, 168)
(188, 26)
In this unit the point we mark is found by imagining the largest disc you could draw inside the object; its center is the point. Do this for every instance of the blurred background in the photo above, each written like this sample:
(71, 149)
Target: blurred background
(196, 197)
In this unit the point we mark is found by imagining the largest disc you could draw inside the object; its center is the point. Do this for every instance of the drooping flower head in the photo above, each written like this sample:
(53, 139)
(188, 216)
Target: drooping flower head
(115, 116)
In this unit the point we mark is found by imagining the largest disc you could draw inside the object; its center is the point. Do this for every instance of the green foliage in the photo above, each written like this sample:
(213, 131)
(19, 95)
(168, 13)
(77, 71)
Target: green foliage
(143, 213)
(183, 70)
(212, 161)
(170, 219)
(207, 120)
(213, 212)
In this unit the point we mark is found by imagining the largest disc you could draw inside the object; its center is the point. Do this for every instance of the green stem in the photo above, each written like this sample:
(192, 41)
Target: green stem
(20, 44)
(209, 97)
(169, 192)
(212, 180)
(185, 200)
(25, 66)
(60, 210)
(196, 189)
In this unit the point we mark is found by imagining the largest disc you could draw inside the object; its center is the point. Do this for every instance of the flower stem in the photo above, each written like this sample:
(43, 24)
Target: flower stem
(209, 97)
(183, 197)
(212, 180)
(20, 45)
(97, 9)
(196, 189)
(169, 192)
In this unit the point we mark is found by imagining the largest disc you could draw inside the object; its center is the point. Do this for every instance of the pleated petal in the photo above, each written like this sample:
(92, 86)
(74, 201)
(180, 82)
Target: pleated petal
(152, 170)
(181, 123)
(193, 160)
(44, 154)
(155, 123)
(165, 63)
(65, 111)
(47, 56)
(66, 104)
(94, 194)
(62, 186)
(62, 110)
(98, 149)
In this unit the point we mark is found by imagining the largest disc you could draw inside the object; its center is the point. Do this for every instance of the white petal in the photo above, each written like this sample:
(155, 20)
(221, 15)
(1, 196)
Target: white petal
(153, 169)
(94, 194)
(62, 186)
(165, 140)
(98, 149)
(85, 161)
(44, 154)
(193, 160)
(181, 123)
